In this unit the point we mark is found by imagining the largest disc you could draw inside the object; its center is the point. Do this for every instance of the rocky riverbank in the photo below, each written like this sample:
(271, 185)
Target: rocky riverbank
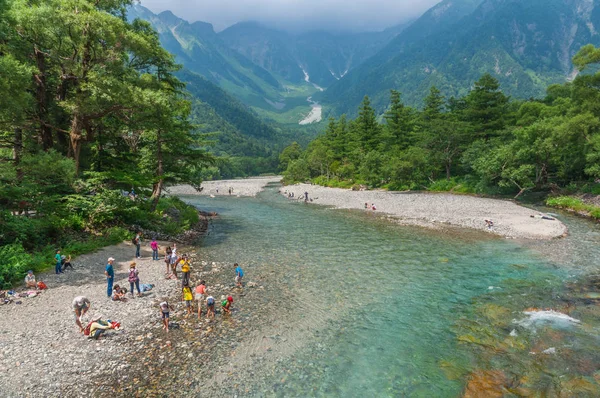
(42, 352)
(241, 187)
(438, 210)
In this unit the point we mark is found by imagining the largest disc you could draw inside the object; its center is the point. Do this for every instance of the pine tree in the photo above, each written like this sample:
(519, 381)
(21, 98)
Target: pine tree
(486, 107)
(368, 127)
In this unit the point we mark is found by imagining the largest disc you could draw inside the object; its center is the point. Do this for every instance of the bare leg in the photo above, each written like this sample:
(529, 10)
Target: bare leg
(78, 315)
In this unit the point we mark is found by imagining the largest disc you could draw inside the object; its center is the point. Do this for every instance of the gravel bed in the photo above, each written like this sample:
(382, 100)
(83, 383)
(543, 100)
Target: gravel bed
(241, 187)
(42, 353)
(438, 210)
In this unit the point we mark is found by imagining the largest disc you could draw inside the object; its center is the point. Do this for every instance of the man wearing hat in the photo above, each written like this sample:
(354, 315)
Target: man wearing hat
(110, 276)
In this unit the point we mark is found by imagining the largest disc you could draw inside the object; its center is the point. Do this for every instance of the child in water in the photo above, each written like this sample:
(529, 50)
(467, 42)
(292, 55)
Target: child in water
(226, 304)
(210, 307)
(239, 274)
(164, 312)
(200, 291)
(187, 297)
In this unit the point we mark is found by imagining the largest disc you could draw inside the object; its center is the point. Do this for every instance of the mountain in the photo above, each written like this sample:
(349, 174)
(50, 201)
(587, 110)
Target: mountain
(246, 144)
(319, 57)
(198, 48)
(525, 44)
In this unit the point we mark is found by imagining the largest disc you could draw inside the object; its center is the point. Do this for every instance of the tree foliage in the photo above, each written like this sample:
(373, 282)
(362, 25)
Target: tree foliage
(90, 108)
(483, 139)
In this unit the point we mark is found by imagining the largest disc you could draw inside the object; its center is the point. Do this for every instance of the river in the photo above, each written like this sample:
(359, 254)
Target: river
(386, 310)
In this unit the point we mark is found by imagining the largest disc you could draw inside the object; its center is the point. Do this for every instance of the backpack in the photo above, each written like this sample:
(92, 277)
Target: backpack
(134, 240)
(41, 285)
(132, 275)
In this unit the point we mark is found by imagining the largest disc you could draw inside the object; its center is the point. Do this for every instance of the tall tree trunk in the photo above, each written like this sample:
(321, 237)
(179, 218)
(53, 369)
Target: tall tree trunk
(448, 169)
(41, 96)
(18, 152)
(76, 135)
(158, 186)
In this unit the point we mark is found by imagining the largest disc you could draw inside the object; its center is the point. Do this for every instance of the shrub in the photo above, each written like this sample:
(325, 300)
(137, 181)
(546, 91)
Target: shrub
(574, 204)
(14, 261)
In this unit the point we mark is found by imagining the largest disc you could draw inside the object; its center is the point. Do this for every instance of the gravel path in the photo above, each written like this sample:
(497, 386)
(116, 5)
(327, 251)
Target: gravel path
(42, 352)
(241, 187)
(438, 210)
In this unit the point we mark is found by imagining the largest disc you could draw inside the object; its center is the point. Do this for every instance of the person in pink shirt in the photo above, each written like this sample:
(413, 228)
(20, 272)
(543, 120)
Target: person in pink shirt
(200, 292)
(154, 246)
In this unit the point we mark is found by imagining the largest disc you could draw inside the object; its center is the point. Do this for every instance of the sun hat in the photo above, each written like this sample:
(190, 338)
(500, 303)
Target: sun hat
(30, 272)
(132, 264)
(111, 259)
(230, 299)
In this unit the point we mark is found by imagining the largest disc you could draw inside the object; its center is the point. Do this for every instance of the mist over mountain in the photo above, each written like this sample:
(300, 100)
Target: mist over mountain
(525, 44)
(298, 16)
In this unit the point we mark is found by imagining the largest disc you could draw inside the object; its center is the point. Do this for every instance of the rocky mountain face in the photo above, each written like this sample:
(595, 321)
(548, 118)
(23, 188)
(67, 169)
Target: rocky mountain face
(199, 49)
(320, 57)
(525, 44)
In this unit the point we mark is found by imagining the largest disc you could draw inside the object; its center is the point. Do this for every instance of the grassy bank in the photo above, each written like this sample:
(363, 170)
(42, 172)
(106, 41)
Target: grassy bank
(575, 205)
(30, 242)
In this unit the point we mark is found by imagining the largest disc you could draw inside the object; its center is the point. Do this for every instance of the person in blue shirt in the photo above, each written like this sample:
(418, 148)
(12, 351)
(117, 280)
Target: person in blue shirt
(239, 274)
(110, 276)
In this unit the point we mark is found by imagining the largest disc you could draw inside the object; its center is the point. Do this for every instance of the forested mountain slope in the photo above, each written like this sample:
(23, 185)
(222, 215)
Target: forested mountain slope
(525, 44)
(198, 48)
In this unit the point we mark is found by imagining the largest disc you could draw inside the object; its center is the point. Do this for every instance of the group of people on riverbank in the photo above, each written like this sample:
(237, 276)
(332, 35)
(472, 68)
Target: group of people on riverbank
(115, 292)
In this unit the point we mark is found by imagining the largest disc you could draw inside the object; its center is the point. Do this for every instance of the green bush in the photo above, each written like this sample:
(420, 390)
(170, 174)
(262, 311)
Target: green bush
(574, 204)
(452, 185)
(14, 261)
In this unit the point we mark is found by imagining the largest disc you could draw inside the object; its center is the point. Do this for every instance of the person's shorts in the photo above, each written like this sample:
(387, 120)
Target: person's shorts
(188, 303)
(165, 315)
(211, 306)
(199, 297)
(238, 279)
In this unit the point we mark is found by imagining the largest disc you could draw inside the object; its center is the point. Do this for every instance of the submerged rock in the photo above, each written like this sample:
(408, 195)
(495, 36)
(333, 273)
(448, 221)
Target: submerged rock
(535, 318)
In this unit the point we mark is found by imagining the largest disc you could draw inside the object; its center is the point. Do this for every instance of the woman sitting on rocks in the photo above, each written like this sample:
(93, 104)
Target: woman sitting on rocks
(118, 294)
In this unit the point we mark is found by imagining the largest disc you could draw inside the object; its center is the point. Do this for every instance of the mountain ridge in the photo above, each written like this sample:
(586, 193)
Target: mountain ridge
(516, 41)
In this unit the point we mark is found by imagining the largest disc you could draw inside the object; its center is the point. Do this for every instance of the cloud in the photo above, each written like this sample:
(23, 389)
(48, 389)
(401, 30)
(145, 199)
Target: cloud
(355, 15)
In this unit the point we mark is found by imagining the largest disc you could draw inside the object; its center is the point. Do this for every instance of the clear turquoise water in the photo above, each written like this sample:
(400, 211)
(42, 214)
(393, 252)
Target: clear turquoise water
(390, 297)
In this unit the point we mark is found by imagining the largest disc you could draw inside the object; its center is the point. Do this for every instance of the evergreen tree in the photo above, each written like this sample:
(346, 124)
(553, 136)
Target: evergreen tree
(399, 121)
(367, 126)
(486, 107)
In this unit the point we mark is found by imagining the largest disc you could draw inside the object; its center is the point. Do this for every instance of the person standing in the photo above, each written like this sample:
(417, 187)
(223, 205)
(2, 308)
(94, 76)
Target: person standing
(187, 298)
(58, 266)
(164, 312)
(81, 305)
(134, 279)
(185, 269)
(200, 291)
(168, 260)
(154, 246)
(110, 276)
(138, 244)
(239, 274)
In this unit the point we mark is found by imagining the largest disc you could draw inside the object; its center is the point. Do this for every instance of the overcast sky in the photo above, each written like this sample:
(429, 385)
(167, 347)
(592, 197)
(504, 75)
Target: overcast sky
(356, 15)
